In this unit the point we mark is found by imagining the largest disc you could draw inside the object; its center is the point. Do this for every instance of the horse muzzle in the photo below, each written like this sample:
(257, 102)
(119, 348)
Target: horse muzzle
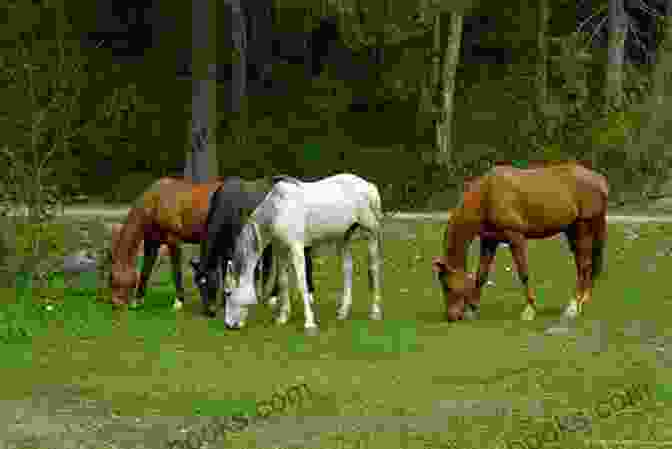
(234, 326)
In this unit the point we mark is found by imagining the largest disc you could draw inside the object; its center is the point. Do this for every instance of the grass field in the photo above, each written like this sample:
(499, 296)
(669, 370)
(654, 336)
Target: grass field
(134, 378)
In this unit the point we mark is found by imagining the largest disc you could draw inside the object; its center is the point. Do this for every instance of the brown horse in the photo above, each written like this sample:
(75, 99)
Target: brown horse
(170, 211)
(511, 205)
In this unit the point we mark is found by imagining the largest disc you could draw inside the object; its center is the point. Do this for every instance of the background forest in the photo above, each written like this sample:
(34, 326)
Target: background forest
(97, 95)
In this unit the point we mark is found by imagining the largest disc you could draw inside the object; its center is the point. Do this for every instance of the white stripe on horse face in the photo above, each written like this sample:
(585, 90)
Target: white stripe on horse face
(229, 281)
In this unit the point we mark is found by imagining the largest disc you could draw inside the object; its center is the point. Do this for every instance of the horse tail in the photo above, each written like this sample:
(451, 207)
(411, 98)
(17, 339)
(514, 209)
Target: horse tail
(600, 240)
(376, 206)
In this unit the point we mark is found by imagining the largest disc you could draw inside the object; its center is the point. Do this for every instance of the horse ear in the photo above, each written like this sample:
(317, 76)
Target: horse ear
(439, 265)
(195, 262)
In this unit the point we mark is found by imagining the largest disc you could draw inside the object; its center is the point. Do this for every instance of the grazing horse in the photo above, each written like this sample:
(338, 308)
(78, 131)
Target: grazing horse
(230, 206)
(510, 204)
(297, 214)
(490, 240)
(170, 211)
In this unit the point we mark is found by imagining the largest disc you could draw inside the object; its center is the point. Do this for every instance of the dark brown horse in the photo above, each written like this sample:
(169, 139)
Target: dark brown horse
(512, 205)
(170, 211)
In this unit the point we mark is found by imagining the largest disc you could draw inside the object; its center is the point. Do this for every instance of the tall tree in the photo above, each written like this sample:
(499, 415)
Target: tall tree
(543, 14)
(201, 163)
(431, 81)
(618, 23)
(663, 67)
(260, 40)
(450, 61)
(238, 95)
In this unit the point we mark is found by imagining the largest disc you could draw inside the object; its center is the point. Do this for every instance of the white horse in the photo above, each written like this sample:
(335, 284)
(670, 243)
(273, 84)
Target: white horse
(297, 214)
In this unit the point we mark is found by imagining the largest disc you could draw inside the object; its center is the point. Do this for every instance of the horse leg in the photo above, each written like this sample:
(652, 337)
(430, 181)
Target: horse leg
(376, 312)
(346, 300)
(283, 286)
(518, 246)
(584, 265)
(266, 263)
(309, 273)
(151, 253)
(488, 251)
(299, 263)
(176, 262)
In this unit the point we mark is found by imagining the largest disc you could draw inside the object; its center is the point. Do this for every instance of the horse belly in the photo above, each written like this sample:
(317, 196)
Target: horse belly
(328, 222)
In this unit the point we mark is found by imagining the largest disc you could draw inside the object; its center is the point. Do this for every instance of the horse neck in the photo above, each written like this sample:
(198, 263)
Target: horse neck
(457, 240)
(130, 238)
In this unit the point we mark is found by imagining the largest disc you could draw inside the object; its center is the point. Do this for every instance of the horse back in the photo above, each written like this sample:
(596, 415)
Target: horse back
(322, 209)
(177, 209)
(561, 188)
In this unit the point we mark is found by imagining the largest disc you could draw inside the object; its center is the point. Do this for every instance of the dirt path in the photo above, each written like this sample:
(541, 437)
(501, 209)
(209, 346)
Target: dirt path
(120, 212)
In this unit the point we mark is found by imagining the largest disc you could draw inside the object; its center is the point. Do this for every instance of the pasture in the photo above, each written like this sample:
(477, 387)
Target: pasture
(127, 379)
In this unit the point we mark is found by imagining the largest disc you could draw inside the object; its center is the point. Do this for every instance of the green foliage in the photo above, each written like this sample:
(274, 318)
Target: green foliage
(614, 130)
(32, 248)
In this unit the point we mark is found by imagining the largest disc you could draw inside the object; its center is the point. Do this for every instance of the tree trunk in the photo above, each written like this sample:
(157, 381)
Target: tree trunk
(239, 72)
(617, 31)
(542, 56)
(450, 61)
(430, 83)
(663, 67)
(201, 164)
(260, 38)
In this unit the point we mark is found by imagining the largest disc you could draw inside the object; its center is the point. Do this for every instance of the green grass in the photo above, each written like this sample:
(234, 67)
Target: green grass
(156, 362)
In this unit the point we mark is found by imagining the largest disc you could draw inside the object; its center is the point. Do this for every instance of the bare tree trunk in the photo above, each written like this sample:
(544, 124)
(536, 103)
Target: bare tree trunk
(663, 67)
(450, 61)
(617, 31)
(430, 83)
(238, 104)
(542, 56)
(436, 56)
(201, 163)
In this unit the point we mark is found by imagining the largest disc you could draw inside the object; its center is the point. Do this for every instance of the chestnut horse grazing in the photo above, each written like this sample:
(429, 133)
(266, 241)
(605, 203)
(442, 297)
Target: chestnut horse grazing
(512, 205)
(170, 211)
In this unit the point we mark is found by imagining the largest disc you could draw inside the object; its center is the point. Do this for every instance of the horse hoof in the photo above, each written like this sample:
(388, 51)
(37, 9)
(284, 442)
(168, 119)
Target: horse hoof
(557, 330)
(281, 320)
(376, 316)
(177, 305)
(312, 331)
(342, 315)
(528, 314)
(135, 304)
(572, 310)
(273, 301)
(471, 315)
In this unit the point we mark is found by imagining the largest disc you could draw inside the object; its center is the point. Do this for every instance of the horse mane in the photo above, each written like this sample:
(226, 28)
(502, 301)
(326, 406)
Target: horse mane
(285, 178)
(131, 236)
(213, 203)
(246, 246)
